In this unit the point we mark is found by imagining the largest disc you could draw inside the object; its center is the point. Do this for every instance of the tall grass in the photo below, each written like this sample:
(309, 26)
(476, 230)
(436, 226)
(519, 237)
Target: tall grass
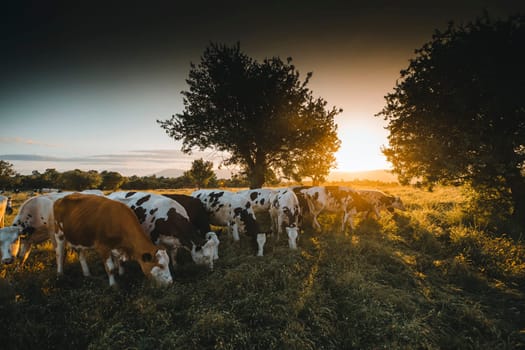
(426, 278)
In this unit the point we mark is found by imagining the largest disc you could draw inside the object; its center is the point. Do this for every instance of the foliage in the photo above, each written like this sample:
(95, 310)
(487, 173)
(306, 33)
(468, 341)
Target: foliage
(201, 173)
(457, 113)
(79, 180)
(111, 180)
(260, 113)
(6, 174)
(420, 279)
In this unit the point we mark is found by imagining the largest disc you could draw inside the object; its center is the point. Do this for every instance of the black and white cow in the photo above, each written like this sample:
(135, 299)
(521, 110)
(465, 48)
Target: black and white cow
(341, 200)
(305, 217)
(381, 201)
(285, 213)
(259, 198)
(167, 223)
(230, 209)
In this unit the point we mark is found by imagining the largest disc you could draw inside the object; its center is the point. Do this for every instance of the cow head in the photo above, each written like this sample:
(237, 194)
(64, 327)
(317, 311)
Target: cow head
(9, 243)
(209, 252)
(157, 267)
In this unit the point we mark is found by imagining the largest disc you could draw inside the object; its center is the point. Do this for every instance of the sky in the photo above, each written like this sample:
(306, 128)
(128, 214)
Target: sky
(83, 82)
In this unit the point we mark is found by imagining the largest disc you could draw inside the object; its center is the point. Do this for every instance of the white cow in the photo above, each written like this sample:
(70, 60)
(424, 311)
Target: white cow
(232, 210)
(285, 213)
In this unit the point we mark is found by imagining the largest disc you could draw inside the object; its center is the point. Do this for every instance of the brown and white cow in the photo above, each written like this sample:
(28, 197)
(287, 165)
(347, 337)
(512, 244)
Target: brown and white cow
(36, 224)
(381, 201)
(341, 200)
(90, 221)
(226, 208)
(167, 223)
(285, 213)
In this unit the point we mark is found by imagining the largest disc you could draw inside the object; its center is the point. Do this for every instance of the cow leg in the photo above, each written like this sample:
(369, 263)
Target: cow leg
(83, 263)
(60, 252)
(110, 269)
(316, 224)
(234, 229)
(261, 240)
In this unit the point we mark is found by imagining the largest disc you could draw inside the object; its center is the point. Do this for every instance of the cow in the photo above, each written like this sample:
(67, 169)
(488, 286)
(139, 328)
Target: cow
(167, 223)
(35, 221)
(285, 212)
(381, 201)
(259, 198)
(5, 208)
(230, 209)
(196, 211)
(341, 200)
(305, 217)
(90, 221)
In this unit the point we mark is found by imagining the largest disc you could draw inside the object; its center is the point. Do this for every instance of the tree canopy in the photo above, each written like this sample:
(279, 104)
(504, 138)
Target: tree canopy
(260, 113)
(457, 113)
(201, 173)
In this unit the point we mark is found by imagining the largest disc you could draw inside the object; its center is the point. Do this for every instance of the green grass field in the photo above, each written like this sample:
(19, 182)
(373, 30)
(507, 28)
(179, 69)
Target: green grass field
(427, 278)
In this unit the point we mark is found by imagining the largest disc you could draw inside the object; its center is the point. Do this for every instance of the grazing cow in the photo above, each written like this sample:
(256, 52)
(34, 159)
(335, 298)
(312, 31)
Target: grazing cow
(166, 222)
(285, 212)
(381, 201)
(259, 198)
(196, 211)
(36, 223)
(305, 217)
(336, 199)
(230, 209)
(90, 221)
(5, 208)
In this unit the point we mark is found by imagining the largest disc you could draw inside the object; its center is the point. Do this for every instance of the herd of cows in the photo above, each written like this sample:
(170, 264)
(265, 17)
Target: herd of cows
(153, 228)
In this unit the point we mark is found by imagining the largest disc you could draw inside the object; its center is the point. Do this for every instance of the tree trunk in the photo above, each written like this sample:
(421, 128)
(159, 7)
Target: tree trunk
(257, 176)
(258, 171)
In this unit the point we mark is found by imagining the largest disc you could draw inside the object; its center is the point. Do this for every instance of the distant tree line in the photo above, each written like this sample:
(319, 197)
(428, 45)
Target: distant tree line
(200, 175)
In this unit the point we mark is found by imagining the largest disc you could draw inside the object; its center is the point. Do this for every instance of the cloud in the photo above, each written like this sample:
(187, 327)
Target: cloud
(128, 163)
(21, 140)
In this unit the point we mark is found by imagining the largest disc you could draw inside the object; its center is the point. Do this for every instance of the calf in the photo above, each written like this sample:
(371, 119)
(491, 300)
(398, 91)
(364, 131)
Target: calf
(90, 221)
(230, 209)
(166, 222)
(336, 199)
(285, 212)
(381, 201)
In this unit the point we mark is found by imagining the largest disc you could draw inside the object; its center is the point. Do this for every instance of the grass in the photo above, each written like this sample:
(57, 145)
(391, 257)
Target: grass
(425, 278)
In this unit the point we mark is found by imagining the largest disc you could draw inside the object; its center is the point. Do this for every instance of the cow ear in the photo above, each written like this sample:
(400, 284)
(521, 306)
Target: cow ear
(147, 257)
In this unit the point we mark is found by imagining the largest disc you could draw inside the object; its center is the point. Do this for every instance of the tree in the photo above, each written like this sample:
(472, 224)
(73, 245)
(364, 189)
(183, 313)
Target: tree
(79, 180)
(457, 114)
(7, 173)
(201, 172)
(111, 180)
(260, 113)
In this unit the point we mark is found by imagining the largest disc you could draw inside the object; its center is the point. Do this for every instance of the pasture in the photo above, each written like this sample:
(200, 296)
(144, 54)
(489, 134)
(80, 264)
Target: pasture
(427, 278)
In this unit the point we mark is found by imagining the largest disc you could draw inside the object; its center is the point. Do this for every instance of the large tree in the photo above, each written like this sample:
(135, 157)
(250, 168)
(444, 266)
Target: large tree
(457, 113)
(7, 174)
(260, 113)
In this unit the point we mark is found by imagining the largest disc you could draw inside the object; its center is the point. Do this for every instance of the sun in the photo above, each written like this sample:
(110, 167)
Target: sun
(361, 149)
